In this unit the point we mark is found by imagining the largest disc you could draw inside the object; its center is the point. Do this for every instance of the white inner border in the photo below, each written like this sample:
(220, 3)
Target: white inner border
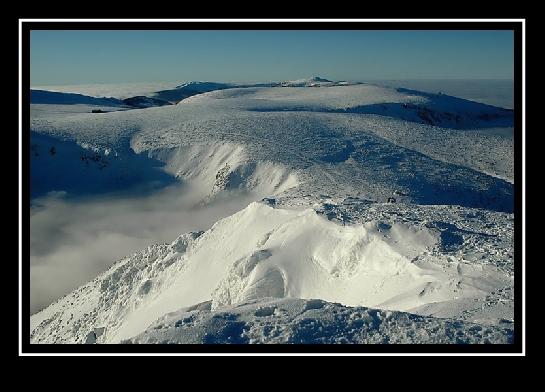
(523, 179)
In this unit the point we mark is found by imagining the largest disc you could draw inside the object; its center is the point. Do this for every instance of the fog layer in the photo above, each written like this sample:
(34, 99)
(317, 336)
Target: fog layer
(73, 240)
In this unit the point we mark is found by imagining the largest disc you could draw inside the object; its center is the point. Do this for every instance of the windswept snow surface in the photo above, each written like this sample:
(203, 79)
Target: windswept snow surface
(296, 321)
(325, 161)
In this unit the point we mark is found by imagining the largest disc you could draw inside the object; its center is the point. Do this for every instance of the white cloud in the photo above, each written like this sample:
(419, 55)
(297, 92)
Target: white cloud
(73, 240)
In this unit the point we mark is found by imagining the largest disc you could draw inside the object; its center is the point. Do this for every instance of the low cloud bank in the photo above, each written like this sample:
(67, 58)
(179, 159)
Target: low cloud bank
(73, 240)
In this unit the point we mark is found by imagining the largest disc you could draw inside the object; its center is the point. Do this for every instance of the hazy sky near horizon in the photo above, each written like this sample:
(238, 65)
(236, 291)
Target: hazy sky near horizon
(85, 57)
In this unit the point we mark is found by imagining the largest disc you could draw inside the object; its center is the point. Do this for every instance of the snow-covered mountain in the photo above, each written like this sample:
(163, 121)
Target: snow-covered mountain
(358, 200)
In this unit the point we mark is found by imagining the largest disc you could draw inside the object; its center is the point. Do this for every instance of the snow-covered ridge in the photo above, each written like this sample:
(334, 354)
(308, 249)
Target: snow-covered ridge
(148, 97)
(312, 133)
(262, 252)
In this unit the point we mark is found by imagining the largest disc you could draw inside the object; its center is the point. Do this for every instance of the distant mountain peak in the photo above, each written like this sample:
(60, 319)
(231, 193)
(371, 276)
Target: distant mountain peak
(319, 79)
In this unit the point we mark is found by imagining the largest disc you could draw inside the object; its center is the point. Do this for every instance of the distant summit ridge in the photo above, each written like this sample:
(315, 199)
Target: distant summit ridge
(314, 81)
(319, 79)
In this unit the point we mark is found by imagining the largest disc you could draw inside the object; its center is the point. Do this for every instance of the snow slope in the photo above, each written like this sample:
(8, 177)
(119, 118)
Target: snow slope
(83, 169)
(327, 159)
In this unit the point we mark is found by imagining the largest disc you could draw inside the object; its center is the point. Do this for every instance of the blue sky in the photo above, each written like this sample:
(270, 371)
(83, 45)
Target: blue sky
(85, 57)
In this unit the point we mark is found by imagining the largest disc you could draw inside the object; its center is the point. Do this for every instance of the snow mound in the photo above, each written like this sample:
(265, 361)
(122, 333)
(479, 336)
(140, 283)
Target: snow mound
(296, 321)
(328, 255)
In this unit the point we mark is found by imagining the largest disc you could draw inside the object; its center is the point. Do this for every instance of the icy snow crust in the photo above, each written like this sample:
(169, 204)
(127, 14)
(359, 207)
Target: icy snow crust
(327, 158)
